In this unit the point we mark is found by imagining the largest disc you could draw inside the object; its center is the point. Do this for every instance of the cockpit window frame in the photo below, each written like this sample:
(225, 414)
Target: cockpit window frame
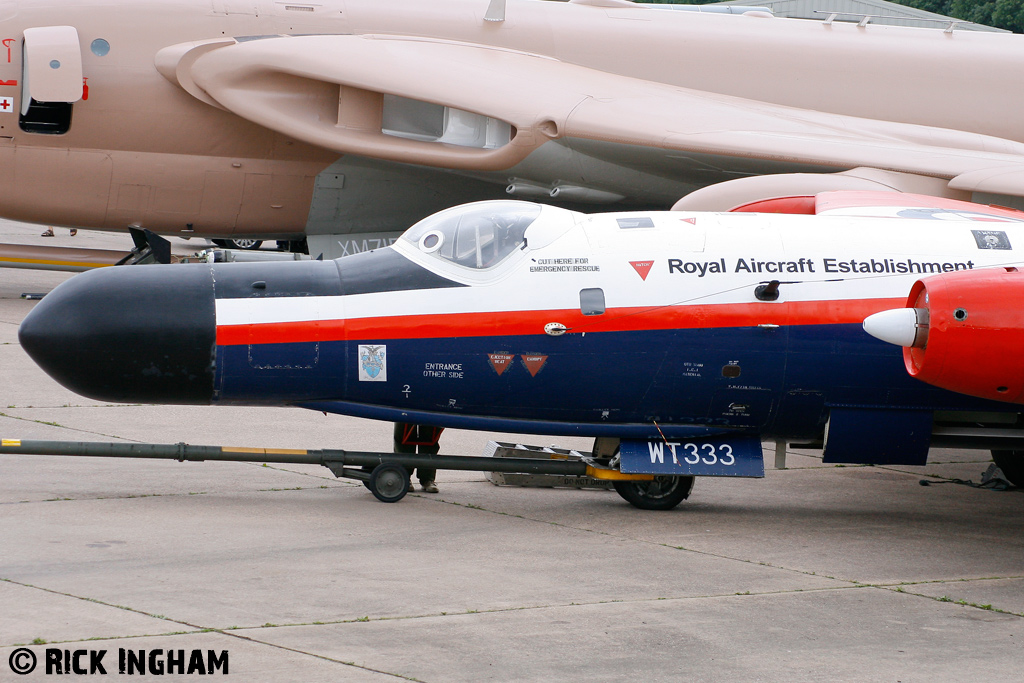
(463, 236)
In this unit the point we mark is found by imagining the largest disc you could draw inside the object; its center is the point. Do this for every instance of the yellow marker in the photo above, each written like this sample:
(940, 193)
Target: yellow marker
(10, 443)
(615, 475)
(264, 451)
(50, 262)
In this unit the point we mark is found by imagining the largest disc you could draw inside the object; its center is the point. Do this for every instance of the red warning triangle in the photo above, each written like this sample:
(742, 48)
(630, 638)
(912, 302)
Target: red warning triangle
(500, 361)
(534, 363)
(642, 268)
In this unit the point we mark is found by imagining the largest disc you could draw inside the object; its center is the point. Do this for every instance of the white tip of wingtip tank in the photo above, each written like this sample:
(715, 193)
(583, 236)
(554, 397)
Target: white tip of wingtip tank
(899, 326)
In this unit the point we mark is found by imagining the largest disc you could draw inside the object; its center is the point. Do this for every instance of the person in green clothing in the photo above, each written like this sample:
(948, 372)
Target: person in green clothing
(419, 439)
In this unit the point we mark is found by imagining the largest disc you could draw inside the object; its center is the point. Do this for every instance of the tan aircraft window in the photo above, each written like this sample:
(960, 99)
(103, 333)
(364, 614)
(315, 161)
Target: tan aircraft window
(51, 79)
(48, 118)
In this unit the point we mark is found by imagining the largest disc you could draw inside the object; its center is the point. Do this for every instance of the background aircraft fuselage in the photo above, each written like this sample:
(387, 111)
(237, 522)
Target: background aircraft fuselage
(141, 151)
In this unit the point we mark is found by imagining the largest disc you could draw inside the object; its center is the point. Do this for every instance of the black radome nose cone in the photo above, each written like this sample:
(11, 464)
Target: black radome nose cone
(143, 334)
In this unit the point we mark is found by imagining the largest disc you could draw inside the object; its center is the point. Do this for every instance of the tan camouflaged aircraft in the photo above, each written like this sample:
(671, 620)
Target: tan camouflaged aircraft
(346, 120)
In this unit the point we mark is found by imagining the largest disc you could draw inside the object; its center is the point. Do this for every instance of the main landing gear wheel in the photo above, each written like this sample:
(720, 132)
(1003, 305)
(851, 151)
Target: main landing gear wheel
(1012, 465)
(389, 482)
(663, 493)
(238, 244)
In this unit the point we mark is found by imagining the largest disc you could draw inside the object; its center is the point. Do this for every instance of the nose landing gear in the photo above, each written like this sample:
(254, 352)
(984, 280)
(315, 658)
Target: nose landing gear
(661, 493)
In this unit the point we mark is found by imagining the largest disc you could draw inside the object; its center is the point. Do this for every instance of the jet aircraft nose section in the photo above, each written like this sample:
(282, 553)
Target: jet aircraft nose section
(130, 333)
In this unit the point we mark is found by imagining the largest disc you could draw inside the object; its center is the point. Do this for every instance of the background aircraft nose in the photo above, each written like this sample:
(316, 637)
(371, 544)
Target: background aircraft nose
(129, 333)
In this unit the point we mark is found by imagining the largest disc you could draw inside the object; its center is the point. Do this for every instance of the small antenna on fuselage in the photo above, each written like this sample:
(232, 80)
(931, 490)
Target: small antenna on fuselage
(495, 11)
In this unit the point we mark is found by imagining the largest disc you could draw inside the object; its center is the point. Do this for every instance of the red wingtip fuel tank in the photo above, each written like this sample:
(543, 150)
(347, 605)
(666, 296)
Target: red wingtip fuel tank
(966, 334)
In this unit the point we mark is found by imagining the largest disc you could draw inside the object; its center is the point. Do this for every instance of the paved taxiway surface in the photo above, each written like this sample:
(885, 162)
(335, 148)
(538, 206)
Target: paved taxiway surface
(815, 573)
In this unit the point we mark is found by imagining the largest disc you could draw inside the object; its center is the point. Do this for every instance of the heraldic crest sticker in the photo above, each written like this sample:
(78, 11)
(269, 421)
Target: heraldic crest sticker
(373, 363)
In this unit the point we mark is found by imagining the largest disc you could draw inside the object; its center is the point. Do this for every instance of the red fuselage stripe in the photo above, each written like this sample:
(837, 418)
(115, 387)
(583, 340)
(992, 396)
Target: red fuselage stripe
(514, 323)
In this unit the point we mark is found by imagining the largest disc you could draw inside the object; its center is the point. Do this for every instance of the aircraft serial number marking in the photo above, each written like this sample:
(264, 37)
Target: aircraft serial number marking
(693, 453)
(715, 456)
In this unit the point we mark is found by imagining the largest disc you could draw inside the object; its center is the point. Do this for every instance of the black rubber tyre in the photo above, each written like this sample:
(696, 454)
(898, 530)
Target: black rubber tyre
(389, 482)
(1012, 465)
(238, 244)
(663, 493)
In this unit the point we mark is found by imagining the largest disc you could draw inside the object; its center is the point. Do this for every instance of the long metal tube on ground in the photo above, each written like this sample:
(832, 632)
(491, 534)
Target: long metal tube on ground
(327, 458)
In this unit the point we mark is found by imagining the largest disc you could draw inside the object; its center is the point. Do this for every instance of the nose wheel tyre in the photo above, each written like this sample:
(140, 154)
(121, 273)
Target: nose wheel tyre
(239, 244)
(662, 493)
(389, 483)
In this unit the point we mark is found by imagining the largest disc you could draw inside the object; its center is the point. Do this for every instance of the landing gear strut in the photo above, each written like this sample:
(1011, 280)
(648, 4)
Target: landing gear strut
(657, 493)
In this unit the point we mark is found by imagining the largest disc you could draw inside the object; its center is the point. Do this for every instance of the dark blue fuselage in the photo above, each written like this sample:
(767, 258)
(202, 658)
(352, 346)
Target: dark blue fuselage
(778, 381)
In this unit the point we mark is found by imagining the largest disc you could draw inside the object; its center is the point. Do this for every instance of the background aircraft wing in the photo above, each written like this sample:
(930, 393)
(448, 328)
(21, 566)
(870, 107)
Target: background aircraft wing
(480, 108)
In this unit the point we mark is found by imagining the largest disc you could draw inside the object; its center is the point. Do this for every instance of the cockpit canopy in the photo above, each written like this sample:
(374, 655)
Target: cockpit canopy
(477, 236)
